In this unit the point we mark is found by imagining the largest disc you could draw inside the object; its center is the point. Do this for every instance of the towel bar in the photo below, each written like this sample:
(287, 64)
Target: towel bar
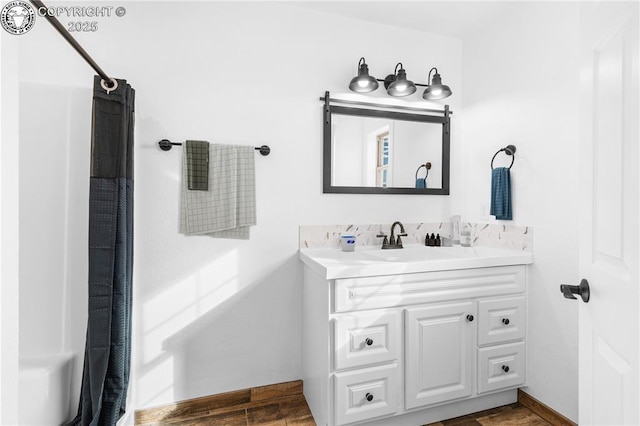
(509, 150)
(166, 145)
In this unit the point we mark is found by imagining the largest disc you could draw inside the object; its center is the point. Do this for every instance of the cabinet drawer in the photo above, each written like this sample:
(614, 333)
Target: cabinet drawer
(366, 338)
(366, 393)
(357, 294)
(501, 320)
(501, 367)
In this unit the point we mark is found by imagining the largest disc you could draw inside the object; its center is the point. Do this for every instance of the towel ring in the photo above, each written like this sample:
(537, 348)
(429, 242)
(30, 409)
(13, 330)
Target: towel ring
(426, 166)
(509, 150)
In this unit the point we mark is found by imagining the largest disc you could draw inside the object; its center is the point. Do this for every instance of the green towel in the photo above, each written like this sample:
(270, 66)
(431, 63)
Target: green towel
(501, 193)
(197, 165)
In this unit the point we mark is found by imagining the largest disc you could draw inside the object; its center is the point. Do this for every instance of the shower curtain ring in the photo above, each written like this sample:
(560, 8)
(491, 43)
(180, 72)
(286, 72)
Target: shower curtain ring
(108, 89)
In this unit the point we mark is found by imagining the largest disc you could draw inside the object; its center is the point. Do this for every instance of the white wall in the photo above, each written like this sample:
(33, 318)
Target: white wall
(215, 315)
(521, 87)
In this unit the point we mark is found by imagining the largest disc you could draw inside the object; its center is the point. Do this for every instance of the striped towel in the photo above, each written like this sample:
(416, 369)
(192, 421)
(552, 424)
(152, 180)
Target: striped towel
(228, 208)
(501, 193)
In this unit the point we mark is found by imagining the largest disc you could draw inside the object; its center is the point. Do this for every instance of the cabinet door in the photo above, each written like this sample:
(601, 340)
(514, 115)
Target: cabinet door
(439, 352)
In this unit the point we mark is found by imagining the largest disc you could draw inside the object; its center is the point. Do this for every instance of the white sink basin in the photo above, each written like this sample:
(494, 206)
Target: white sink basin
(414, 254)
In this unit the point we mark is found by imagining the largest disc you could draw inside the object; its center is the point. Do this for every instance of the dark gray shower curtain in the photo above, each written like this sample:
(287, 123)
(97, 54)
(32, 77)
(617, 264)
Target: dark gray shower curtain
(107, 354)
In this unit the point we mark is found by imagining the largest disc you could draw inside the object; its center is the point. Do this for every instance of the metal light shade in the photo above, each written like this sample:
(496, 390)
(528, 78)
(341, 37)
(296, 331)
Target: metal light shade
(363, 82)
(436, 90)
(400, 85)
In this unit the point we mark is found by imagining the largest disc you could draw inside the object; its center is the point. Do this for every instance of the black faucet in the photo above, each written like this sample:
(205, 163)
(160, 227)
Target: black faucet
(393, 242)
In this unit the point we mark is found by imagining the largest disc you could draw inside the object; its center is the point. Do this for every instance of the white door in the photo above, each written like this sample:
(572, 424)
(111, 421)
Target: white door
(609, 258)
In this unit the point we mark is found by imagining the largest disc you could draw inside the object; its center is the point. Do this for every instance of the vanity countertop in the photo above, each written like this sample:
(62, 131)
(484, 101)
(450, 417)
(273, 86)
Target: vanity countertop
(332, 263)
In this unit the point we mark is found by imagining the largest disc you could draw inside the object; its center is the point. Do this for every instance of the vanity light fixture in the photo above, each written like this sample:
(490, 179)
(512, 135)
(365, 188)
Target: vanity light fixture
(436, 90)
(397, 84)
(363, 82)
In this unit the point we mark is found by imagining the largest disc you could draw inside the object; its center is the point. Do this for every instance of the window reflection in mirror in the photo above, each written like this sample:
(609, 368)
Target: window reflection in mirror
(382, 165)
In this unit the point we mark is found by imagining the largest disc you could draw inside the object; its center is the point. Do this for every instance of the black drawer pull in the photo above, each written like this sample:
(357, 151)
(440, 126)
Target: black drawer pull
(369, 341)
(505, 368)
(505, 321)
(470, 318)
(369, 397)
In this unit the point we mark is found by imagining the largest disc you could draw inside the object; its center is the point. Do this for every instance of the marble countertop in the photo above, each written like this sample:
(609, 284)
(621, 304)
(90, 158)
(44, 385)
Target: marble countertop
(332, 263)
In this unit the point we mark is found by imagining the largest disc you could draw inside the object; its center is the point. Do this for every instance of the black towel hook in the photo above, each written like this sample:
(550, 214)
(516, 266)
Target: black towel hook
(509, 150)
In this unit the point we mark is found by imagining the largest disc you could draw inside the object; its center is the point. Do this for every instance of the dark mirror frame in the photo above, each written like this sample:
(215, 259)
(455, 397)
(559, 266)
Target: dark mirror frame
(329, 109)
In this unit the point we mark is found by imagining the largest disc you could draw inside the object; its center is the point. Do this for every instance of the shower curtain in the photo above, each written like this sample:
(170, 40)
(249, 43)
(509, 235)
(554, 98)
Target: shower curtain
(107, 354)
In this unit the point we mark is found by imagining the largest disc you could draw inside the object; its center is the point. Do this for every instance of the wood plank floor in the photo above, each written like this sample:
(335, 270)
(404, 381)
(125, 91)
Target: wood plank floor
(283, 404)
(276, 412)
(276, 405)
(294, 411)
(508, 415)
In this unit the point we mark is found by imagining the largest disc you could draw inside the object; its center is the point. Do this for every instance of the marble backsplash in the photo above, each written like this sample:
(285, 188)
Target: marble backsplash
(482, 234)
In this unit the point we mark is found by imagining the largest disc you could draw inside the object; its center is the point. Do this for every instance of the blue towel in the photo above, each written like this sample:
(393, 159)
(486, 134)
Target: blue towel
(501, 193)
(421, 183)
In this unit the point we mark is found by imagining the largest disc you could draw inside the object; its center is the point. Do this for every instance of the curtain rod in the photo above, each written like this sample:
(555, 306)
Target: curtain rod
(107, 81)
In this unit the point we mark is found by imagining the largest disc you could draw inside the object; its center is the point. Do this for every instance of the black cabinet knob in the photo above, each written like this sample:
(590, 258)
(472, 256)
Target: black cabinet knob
(505, 321)
(470, 318)
(505, 368)
(369, 397)
(369, 342)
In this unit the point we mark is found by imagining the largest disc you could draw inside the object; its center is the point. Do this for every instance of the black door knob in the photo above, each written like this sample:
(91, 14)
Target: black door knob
(470, 318)
(505, 321)
(505, 368)
(582, 290)
(369, 342)
(369, 397)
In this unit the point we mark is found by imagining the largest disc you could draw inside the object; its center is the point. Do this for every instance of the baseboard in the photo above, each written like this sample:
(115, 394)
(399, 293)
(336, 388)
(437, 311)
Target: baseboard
(543, 410)
(224, 403)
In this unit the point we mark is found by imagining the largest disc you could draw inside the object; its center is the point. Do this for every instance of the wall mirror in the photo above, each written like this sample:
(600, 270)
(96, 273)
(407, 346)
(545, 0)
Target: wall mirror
(380, 150)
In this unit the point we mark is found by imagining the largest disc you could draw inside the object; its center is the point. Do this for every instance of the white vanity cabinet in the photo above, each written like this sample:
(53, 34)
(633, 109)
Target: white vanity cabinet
(412, 348)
